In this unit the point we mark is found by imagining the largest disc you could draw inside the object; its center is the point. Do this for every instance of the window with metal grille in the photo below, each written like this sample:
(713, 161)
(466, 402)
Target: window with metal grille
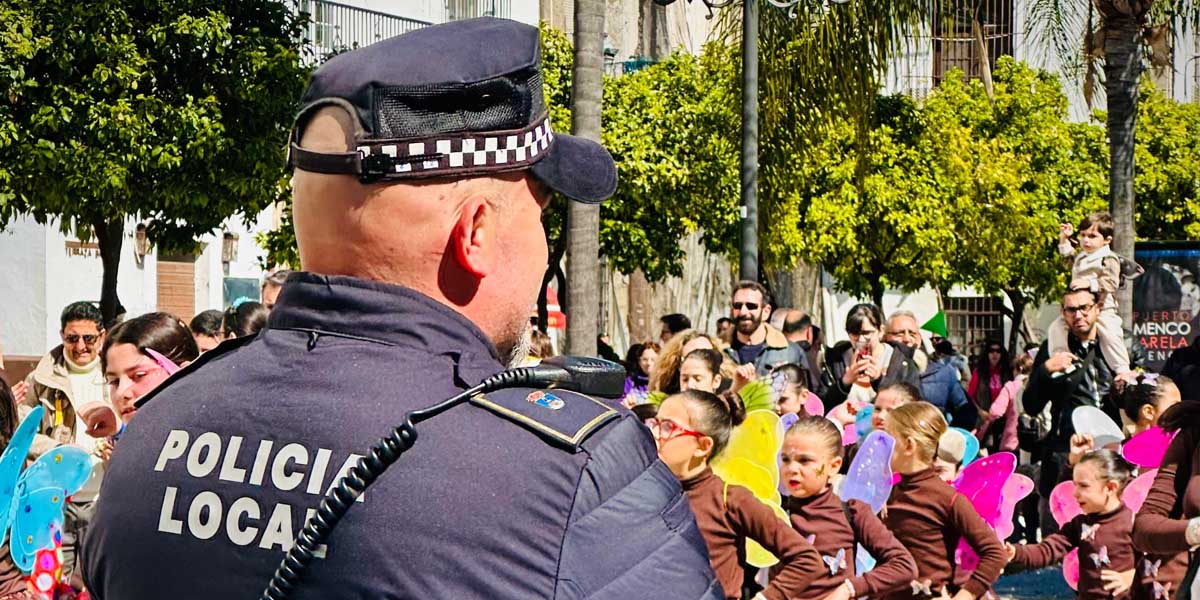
(974, 320)
(954, 37)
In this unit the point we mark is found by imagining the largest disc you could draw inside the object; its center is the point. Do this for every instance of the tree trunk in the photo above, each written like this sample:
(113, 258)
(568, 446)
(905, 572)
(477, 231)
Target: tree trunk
(553, 269)
(877, 290)
(1122, 70)
(583, 220)
(109, 236)
(1018, 316)
(985, 61)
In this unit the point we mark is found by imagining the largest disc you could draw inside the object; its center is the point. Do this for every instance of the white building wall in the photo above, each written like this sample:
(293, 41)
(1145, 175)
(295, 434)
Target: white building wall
(23, 311)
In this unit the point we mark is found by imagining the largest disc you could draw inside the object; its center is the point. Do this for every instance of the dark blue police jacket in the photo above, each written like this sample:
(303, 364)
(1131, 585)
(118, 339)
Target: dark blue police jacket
(510, 496)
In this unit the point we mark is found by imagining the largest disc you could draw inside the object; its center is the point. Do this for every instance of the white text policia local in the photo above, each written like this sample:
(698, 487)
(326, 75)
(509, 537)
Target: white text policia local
(244, 521)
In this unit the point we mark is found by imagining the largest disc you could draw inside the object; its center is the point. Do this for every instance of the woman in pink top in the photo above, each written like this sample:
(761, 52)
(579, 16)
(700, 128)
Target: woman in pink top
(1002, 414)
(987, 381)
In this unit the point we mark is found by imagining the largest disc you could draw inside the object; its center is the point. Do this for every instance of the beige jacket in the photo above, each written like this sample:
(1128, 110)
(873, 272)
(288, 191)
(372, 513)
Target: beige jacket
(50, 387)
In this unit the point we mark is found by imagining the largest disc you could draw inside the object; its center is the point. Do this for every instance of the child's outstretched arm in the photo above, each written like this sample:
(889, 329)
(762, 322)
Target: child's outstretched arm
(799, 563)
(894, 568)
(1052, 549)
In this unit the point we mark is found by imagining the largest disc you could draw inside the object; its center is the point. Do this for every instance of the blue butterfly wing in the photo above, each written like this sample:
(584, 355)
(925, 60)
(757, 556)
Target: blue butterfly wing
(41, 493)
(64, 467)
(11, 462)
(39, 519)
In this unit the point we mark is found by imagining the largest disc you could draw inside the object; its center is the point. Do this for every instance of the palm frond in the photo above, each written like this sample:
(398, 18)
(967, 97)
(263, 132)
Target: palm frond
(1060, 25)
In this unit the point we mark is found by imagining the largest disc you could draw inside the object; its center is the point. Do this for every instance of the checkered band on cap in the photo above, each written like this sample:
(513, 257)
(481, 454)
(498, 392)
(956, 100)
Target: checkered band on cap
(457, 154)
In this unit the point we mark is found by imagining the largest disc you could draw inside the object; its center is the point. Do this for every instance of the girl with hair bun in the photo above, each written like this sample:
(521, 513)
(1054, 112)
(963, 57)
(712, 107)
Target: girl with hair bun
(929, 517)
(691, 429)
(1145, 400)
(1103, 533)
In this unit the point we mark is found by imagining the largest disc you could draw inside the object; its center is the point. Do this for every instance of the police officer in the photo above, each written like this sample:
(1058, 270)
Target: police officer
(422, 166)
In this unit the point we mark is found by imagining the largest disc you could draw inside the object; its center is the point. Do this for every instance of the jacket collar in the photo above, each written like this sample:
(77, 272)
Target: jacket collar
(51, 371)
(385, 313)
(775, 337)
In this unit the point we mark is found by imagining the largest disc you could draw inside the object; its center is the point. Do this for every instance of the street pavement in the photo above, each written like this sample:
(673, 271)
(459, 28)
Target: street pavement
(1042, 584)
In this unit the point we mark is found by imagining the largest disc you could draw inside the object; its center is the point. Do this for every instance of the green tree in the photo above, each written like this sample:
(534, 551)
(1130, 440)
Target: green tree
(1022, 168)
(672, 129)
(884, 219)
(160, 110)
(1167, 183)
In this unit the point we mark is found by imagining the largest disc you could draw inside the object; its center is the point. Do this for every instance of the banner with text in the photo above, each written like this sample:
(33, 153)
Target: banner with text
(1166, 298)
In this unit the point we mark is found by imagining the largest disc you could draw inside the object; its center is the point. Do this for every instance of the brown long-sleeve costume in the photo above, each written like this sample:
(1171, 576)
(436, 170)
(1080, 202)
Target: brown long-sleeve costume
(727, 515)
(929, 518)
(822, 519)
(1160, 527)
(1105, 544)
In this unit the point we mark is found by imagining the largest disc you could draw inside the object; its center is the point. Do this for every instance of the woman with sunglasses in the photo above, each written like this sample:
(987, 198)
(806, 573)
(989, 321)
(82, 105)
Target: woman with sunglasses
(692, 428)
(987, 381)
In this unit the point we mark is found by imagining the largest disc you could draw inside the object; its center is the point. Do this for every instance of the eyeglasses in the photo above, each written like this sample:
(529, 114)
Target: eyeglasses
(995, 351)
(747, 305)
(75, 337)
(1071, 310)
(665, 429)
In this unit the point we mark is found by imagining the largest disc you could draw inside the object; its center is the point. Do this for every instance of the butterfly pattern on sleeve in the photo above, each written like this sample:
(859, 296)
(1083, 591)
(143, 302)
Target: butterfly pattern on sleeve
(1150, 568)
(1162, 591)
(836, 562)
(1089, 532)
(1100, 558)
(923, 587)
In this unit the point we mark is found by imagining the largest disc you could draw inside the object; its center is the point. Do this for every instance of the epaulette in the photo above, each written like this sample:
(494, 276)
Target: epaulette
(222, 348)
(561, 417)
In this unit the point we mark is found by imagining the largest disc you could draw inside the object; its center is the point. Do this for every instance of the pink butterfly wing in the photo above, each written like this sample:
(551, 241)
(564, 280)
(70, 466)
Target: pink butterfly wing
(982, 482)
(1135, 491)
(1016, 489)
(1147, 448)
(813, 404)
(1063, 505)
(1070, 568)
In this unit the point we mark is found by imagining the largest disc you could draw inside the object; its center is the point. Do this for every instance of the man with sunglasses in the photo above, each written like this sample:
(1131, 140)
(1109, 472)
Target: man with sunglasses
(66, 378)
(754, 341)
(1066, 380)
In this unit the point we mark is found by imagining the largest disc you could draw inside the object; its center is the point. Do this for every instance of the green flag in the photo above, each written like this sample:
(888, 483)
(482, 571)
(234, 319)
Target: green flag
(937, 324)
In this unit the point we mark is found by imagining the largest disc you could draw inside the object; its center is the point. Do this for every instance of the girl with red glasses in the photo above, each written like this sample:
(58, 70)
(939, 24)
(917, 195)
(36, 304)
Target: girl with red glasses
(692, 428)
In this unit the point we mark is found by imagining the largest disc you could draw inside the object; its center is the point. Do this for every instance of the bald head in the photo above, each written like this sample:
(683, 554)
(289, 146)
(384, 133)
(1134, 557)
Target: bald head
(447, 238)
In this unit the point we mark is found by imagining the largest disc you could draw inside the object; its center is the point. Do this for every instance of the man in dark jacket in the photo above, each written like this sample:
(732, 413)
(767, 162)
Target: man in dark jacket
(1081, 377)
(422, 260)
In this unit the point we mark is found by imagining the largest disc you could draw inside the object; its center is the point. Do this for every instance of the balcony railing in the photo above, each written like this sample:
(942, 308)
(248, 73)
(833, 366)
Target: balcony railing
(457, 10)
(335, 27)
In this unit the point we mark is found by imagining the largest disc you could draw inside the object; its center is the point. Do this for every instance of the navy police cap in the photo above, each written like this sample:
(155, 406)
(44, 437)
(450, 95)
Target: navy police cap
(459, 99)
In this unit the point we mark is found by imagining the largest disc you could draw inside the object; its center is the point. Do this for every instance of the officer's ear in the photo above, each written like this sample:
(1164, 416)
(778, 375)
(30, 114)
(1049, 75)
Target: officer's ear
(472, 235)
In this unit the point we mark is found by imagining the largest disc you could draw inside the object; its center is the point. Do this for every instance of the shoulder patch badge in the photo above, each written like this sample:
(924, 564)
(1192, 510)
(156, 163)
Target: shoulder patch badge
(546, 400)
